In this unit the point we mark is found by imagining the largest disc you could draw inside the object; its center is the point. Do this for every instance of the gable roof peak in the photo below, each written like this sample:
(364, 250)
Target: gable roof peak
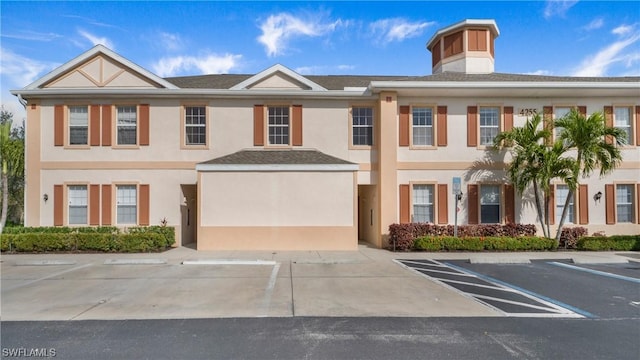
(275, 69)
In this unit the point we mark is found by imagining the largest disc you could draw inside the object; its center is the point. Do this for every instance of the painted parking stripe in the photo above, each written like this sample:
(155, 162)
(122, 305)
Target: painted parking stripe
(527, 292)
(596, 272)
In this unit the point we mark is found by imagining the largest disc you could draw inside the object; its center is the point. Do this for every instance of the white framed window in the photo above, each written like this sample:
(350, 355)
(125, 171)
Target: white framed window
(278, 125)
(78, 125)
(489, 125)
(127, 124)
(422, 126)
(562, 191)
(127, 200)
(558, 113)
(195, 123)
(77, 197)
(624, 203)
(423, 199)
(622, 121)
(489, 204)
(362, 125)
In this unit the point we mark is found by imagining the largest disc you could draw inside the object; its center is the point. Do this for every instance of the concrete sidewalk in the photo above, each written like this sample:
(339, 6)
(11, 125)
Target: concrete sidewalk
(184, 283)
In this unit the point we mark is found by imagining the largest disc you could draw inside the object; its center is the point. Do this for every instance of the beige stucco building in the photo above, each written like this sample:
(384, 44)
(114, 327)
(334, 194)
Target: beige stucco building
(277, 160)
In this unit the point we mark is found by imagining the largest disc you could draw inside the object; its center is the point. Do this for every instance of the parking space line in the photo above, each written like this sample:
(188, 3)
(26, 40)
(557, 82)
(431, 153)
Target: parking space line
(421, 263)
(46, 277)
(596, 272)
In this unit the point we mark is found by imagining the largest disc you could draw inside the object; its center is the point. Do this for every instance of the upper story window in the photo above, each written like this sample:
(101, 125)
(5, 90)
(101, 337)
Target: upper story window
(362, 123)
(77, 197)
(127, 123)
(195, 123)
(489, 204)
(562, 191)
(422, 126)
(423, 195)
(622, 121)
(489, 124)
(558, 113)
(127, 199)
(278, 125)
(78, 125)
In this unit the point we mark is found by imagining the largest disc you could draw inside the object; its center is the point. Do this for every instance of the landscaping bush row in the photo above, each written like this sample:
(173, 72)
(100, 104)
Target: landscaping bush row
(138, 239)
(402, 236)
(605, 243)
(61, 230)
(505, 243)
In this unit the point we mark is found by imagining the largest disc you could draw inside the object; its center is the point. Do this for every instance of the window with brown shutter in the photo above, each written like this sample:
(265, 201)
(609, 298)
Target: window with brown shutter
(509, 204)
(106, 204)
(405, 204)
(472, 126)
(637, 125)
(58, 125)
(547, 122)
(403, 127)
(443, 204)
(608, 121)
(94, 204)
(296, 126)
(583, 204)
(453, 44)
(442, 126)
(551, 209)
(94, 126)
(144, 124)
(508, 118)
(258, 125)
(58, 205)
(582, 110)
(106, 125)
(472, 204)
(610, 203)
(144, 205)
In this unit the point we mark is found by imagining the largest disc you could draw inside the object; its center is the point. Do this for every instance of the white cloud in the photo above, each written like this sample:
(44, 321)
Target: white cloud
(21, 71)
(539, 72)
(193, 65)
(558, 8)
(171, 42)
(95, 40)
(279, 29)
(595, 24)
(397, 29)
(33, 36)
(616, 53)
(323, 69)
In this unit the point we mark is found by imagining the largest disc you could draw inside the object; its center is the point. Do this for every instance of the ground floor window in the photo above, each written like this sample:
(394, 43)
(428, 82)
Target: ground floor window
(562, 191)
(423, 203)
(126, 197)
(77, 196)
(490, 204)
(624, 203)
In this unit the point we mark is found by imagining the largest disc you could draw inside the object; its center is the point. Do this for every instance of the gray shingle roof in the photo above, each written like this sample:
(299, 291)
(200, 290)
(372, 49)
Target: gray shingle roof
(339, 82)
(278, 157)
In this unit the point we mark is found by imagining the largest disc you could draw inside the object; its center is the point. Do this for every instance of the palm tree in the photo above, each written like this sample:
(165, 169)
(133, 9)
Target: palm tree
(594, 146)
(12, 160)
(534, 164)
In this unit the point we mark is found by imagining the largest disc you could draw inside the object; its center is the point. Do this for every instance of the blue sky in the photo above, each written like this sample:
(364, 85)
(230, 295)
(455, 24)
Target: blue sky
(581, 38)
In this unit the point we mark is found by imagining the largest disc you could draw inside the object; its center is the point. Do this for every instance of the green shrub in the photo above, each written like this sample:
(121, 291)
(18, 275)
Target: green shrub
(168, 233)
(615, 242)
(95, 242)
(448, 243)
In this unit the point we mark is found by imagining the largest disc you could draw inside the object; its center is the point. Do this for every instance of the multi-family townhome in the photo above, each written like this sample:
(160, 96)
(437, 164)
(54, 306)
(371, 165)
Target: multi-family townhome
(278, 160)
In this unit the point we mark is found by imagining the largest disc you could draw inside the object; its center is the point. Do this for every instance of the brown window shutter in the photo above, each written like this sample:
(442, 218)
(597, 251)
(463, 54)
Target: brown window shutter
(508, 118)
(638, 128)
(144, 205)
(106, 125)
(472, 126)
(58, 205)
(472, 204)
(509, 204)
(547, 121)
(608, 121)
(638, 203)
(258, 125)
(405, 204)
(403, 127)
(582, 109)
(442, 126)
(443, 204)
(610, 203)
(106, 205)
(94, 204)
(94, 125)
(58, 125)
(143, 123)
(296, 123)
(583, 204)
(552, 205)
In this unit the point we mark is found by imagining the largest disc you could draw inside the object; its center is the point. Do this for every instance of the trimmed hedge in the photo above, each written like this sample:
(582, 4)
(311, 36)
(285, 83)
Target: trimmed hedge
(604, 243)
(449, 243)
(105, 239)
(404, 235)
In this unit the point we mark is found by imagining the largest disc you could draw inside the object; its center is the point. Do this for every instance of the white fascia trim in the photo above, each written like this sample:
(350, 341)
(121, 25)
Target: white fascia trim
(273, 70)
(89, 54)
(277, 167)
(468, 22)
(377, 86)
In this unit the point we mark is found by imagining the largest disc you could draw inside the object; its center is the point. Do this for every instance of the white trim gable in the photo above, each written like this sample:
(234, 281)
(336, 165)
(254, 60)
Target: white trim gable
(275, 70)
(94, 51)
